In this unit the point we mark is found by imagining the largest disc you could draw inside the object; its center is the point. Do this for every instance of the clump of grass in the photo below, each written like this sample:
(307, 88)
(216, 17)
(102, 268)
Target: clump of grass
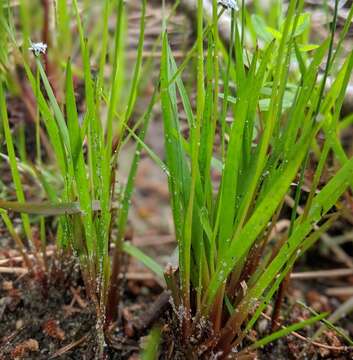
(229, 268)
(85, 147)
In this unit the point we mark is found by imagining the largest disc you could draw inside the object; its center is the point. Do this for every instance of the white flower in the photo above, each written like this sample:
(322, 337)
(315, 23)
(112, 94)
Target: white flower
(38, 48)
(229, 4)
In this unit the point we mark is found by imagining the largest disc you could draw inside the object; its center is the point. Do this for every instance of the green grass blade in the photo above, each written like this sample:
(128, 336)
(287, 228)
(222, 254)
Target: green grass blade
(243, 241)
(56, 108)
(153, 343)
(42, 208)
(13, 165)
(126, 200)
(286, 331)
(82, 184)
(144, 259)
(19, 243)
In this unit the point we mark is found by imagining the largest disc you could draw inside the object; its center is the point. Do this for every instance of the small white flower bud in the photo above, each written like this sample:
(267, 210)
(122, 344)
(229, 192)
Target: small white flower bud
(38, 48)
(229, 4)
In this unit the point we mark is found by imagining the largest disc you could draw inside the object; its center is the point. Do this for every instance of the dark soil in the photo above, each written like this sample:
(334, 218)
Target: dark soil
(329, 346)
(41, 321)
(55, 320)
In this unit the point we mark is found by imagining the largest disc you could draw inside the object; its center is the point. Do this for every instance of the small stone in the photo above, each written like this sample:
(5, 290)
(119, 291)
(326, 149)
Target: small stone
(19, 324)
(7, 285)
(263, 326)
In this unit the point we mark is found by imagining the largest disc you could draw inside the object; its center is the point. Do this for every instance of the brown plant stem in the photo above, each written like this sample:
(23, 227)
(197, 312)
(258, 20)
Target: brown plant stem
(216, 313)
(46, 38)
(45, 33)
(171, 279)
(154, 312)
(282, 290)
(113, 292)
(114, 283)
